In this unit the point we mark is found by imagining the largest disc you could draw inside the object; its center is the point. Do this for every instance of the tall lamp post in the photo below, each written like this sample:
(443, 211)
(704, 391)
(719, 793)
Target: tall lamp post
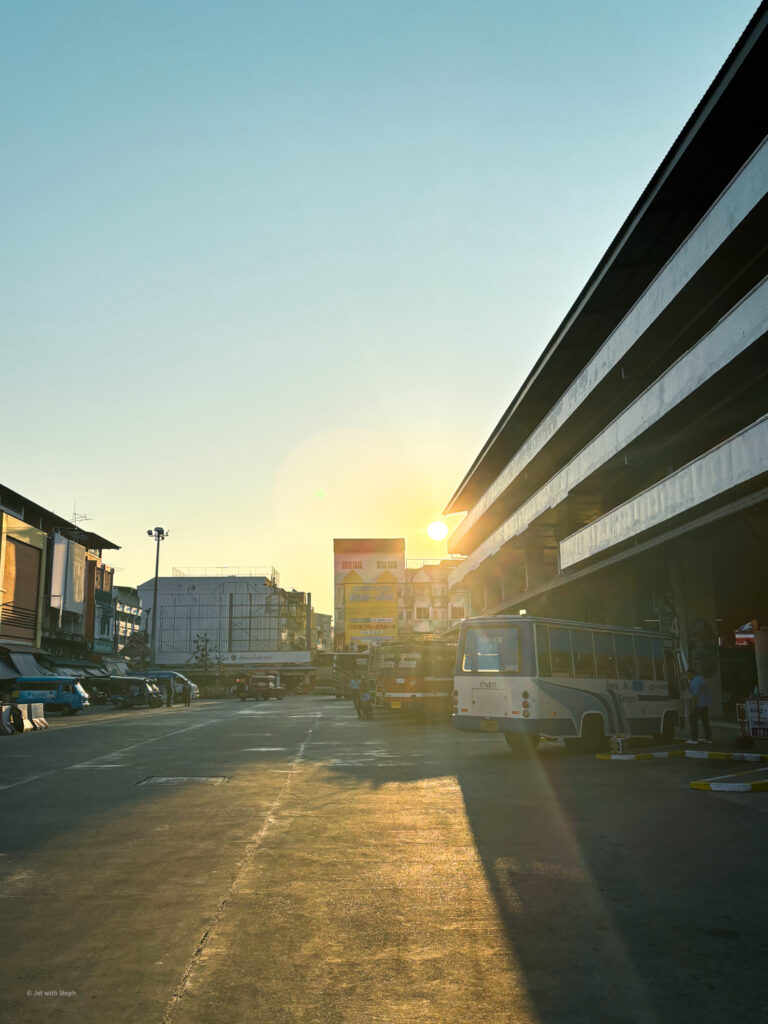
(158, 534)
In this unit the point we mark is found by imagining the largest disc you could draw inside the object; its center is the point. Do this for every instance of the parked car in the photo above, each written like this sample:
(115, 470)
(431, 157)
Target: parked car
(260, 687)
(162, 677)
(133, 692)
(57, 693)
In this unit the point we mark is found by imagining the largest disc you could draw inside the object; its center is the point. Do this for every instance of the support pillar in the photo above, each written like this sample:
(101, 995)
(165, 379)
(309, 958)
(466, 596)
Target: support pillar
(694, 596)
(761, 656)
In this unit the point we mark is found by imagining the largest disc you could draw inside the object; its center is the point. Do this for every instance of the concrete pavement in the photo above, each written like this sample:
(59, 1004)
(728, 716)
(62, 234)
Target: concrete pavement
(353, 872)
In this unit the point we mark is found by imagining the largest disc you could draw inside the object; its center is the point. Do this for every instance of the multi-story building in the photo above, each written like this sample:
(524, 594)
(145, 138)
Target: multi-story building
(126, 616)
(429, 604)
(227, 620)
(368, 576)
(627, 482)
(56, 589)
(322, 632)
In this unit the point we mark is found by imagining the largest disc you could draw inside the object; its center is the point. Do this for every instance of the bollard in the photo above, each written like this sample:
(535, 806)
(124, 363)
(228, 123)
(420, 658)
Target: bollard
(37, 716)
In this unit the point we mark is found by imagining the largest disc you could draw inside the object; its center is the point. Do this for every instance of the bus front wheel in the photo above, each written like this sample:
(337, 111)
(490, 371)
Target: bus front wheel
(593, 738)
(667, 734)
(521, 743)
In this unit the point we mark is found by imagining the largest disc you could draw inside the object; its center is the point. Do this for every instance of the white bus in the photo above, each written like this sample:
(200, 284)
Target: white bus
(534, 678)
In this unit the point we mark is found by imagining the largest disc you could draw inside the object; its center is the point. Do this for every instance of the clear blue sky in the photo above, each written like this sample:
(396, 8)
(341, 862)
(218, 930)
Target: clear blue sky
(271, 272)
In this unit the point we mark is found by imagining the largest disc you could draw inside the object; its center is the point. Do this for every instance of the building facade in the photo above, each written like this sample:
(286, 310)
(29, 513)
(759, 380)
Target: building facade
(627, 481)
(227, 623)
(369, 577)
(430, 605)
(126, 616)
(56, 589)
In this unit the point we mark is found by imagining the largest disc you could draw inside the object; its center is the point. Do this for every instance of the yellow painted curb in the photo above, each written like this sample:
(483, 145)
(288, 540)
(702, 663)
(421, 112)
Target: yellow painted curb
(731, 787)
(694, 755)
(651, 756)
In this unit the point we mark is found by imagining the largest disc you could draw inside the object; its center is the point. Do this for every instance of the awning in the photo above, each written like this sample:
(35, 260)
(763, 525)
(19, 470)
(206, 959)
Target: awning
(28, 665)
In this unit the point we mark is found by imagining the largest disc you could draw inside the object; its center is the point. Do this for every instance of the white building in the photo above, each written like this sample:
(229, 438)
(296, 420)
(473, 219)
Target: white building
(236, 618)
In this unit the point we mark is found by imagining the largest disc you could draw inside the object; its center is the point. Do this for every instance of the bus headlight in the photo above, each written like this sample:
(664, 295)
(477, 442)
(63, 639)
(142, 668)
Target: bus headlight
(526, 704)
(526, 695)
(526, 714)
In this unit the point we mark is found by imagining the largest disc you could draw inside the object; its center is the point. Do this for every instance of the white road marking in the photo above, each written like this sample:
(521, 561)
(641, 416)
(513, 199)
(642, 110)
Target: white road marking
(114, 753)
(95, 766)
(735, 775)
(32, 778)
(264, 749)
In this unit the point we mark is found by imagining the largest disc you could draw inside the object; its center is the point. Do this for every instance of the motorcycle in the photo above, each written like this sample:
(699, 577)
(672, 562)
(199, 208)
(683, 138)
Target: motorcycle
(365, 710)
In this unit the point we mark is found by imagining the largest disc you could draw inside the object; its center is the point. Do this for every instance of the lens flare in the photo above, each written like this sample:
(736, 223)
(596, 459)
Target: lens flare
(437, 530)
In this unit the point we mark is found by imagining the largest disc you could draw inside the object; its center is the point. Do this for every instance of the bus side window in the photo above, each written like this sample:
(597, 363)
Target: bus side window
(643, 657)
(583, 655)
(542, 651)
(605, 655)
(625, 656)
(560, 651)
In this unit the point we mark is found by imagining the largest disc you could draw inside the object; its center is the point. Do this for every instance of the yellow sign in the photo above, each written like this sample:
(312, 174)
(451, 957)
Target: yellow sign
(371, 611)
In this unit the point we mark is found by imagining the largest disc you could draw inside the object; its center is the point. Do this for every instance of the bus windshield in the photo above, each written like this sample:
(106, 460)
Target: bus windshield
(491, 649)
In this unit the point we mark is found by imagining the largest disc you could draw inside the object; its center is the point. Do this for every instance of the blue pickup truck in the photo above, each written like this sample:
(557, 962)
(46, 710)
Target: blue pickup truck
(58, 693)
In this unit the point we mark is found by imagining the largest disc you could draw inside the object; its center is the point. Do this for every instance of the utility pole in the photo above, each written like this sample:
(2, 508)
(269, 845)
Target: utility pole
(158, 534)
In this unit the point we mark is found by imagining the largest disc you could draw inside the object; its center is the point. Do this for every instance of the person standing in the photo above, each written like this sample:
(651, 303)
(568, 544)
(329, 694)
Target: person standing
(685, 699)
(701, 701)
(354, 689)
(187, 693)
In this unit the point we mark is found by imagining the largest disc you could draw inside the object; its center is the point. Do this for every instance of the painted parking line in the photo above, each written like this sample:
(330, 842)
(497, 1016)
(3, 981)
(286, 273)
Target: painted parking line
(112, 754)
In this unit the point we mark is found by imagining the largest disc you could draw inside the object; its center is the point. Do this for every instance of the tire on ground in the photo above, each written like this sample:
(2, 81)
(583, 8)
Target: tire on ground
(593, 738)
(667, 734)
(521, 743)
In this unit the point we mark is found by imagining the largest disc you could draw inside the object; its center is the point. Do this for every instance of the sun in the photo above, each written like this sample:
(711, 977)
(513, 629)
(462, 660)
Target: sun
(437, 530)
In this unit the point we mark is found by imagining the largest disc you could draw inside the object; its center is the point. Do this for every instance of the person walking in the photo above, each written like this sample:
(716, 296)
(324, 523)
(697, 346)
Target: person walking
(187, 693)
(701, 701)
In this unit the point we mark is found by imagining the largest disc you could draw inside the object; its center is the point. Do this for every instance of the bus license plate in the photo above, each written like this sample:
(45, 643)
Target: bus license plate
(488, 725)
(395, 704)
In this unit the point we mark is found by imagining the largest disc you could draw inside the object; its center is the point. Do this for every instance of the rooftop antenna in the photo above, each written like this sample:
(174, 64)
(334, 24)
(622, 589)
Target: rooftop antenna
(79, 517)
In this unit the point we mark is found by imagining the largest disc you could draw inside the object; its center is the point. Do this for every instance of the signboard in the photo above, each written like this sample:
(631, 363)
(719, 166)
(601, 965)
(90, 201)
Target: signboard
(371, 611)
(282, 658)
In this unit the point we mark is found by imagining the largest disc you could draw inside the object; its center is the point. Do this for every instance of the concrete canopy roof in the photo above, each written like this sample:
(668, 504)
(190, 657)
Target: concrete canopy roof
(724, 129)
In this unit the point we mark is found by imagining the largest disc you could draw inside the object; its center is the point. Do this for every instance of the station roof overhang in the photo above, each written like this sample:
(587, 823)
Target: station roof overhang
(705, 516)
(723, 131)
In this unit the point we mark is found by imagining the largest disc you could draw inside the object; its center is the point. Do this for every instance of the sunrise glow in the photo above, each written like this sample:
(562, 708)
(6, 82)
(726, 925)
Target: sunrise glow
(437, 530)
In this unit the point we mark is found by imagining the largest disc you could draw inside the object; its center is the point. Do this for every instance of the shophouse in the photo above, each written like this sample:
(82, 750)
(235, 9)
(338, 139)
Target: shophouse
(56, 589)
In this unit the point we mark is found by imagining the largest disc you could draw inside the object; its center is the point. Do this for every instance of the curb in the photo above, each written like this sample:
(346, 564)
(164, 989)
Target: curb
(696, 755)
(652, 756)
(732, 787)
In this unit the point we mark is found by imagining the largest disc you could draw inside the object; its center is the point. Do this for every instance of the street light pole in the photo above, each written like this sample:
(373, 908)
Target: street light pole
(158, 534)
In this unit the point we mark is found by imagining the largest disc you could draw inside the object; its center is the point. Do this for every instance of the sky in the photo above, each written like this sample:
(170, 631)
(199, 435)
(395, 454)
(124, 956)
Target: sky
(271, 272)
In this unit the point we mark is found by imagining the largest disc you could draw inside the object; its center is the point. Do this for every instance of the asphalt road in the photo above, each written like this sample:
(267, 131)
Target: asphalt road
(317, 869)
